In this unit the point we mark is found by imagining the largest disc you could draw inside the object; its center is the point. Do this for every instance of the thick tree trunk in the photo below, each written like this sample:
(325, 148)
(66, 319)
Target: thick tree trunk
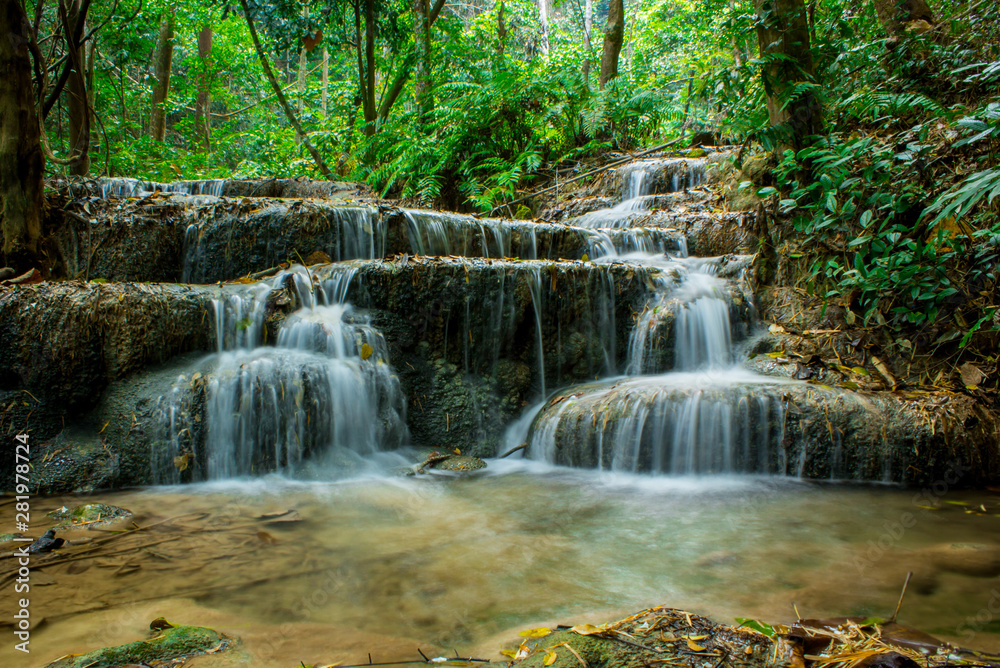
(588, 27)
(162, 57)
(783, 30)
(282, 100)
(614, 34)
(895, 15)
(422, 83)
(22, 162)
(78, 98)
(543, 19)
(203, 101)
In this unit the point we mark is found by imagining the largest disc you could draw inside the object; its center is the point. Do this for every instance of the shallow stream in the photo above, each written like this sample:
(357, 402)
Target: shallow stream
(324, 572)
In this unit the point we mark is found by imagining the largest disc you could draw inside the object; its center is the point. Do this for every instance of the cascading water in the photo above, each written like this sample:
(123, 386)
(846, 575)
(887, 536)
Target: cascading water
(342, 232)
(325, 385)
(120, 188)
(685, 406)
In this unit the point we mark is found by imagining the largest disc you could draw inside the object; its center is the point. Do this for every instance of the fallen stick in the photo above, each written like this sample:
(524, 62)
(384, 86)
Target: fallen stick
(514, 449)
(585, 174)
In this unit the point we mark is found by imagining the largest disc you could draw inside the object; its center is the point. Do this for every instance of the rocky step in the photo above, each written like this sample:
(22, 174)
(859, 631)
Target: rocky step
(124, 188)
(737, 422)
(204, 239)
(472, 341)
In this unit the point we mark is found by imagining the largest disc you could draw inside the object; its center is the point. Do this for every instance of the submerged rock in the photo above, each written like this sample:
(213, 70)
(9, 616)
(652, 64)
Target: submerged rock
(46, 543)
(166, 642)
(89, 515)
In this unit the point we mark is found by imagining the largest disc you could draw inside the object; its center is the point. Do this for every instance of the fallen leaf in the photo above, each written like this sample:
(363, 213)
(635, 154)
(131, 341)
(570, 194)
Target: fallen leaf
(550, 658)
(366, 351)
(182, 461)
(535, 633)
(587, 629)
(694, 647)
(267, 538)
(971, 374)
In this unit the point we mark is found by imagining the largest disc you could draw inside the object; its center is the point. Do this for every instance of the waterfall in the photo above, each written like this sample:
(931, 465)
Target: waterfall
(685, 406)
(269, 403)
(342, 232)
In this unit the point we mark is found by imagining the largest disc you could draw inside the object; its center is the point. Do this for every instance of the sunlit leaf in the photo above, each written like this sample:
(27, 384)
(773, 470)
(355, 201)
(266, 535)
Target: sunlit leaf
(587, 629)
(535, 633)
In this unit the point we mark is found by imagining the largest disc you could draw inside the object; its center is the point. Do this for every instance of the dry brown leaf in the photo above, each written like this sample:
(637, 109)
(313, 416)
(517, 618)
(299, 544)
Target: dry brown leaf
(971, 374)
(587, 629)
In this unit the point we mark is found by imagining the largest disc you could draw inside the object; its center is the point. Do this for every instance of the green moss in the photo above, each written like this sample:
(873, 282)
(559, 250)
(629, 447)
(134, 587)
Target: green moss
(170, 643)
(90, 514)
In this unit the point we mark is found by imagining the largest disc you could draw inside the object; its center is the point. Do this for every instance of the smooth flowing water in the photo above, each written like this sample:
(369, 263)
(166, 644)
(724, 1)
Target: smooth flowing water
(386, 565)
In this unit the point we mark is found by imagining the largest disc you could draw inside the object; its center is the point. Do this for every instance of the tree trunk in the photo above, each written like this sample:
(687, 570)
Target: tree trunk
(282, 100)
(588, 27)
(78, 99)
(501, 30)
(300, 80)
(403, 72)
(203, 102)
(895, 15)
(783, 30)
(300, 74)
(371, 112)
(614, 33)
(22, 163)
(162, 57)
(543, 19)
(324, 96)
(422, 83)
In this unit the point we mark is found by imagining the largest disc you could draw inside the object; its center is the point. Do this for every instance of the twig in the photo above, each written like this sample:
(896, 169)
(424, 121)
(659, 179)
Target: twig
(513, 450)
(901, 595)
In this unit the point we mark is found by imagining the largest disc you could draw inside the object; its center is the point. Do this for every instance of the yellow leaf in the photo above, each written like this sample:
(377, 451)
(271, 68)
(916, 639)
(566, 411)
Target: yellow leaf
(587, 629)
(509, 652)
(102, 428)
(535, 633)
(182, 461)
(550, 658)
(585, 258)
(366, 351)
(694, 647)
(457, 451)
(697, 637)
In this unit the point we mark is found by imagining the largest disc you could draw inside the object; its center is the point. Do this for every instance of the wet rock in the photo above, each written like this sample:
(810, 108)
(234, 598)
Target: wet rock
(460, 463)
(166, 642)
(118, 188)
(46, 543)
(66, 341)
(463, 333)
(789, 428)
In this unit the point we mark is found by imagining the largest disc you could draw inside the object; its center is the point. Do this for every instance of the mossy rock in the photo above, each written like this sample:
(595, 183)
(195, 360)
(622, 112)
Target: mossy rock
(168, 642)
(460, 463)
(91, 515)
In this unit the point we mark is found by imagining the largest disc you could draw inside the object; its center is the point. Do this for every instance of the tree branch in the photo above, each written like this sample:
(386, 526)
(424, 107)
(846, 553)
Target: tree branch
(317, 158)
